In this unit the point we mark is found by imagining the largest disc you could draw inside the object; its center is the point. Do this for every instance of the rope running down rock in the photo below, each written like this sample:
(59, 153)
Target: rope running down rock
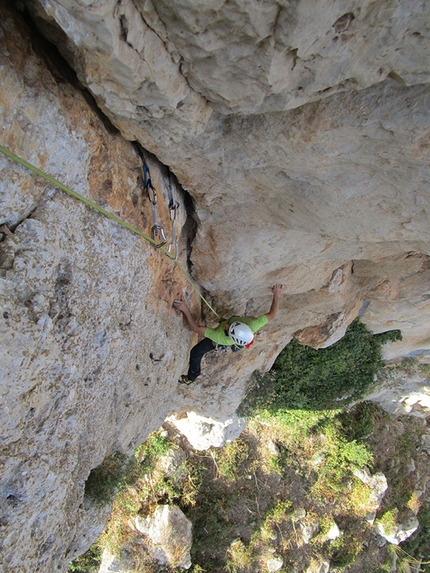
(107, 214)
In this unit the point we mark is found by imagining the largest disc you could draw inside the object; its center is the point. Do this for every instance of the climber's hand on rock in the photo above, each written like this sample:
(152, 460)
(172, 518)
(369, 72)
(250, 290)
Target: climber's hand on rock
(277, 289)
(180, 305)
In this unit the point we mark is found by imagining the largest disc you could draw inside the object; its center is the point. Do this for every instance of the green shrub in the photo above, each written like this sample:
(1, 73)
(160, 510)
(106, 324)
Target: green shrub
(418, 545)
(89, 562)
(343, 551)
(105, 480)
(341, 451)
(239, 557)
(231, 457)
(117, 471)
(148, 452)
(358, 422)
(305, 378)
(340, 457)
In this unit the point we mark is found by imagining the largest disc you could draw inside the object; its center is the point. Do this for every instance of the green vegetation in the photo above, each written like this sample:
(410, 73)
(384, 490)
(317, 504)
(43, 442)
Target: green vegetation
(230, 458)
(88, 562)
(358, 423)
(148, 453)
(105, 480)
(305, 378)
(388, 520)
(404, 562)
(288, 481)
(126, 482)
(418, 544)
(117, 471)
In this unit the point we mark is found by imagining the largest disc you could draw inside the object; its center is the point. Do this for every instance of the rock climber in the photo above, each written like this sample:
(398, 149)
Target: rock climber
(237, 332)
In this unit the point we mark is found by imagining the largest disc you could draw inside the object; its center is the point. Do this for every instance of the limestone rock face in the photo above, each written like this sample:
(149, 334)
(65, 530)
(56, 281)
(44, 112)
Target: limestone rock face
(126, 62)
(89, 350)
(404, 393)
(301, 132)
(244, 57)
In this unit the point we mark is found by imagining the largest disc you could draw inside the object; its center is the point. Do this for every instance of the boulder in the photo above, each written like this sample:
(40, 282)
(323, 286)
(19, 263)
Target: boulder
(318, 566)
(112, 564)
(170, 534)
(172, 464)
(333, 533)
(425, 443)
(274, 564)
(307, 530)
(203, 432)
(378, 486)
(399, 531)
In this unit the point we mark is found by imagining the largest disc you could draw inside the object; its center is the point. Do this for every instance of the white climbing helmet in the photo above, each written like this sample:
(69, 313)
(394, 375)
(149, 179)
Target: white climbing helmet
(241, 334)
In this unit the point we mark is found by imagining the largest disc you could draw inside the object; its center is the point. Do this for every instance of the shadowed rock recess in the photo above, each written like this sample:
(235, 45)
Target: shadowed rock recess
(295, 137)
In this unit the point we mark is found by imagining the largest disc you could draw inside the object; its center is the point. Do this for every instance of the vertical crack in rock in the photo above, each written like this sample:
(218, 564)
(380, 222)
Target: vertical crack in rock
(190, 227)
(147, 23)
(344, 179)
(57, 62)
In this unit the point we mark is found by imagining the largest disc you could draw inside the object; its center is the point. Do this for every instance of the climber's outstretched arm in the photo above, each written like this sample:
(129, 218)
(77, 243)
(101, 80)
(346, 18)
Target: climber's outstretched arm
(276, 289)
(182, 307)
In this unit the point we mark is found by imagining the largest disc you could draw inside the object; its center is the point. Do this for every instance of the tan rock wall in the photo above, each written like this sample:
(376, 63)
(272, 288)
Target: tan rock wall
(303, 137)
(323, 188)
(89, 350)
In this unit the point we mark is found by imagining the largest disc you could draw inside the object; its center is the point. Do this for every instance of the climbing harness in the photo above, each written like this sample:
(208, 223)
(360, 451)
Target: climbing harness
(107, 214)
(157, 230)
(224, 349)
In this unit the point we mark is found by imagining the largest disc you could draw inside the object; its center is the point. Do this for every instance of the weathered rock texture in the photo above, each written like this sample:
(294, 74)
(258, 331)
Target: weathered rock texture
(301, 131)
(90, 353)
(378, 486)
(281, 195)
(202, 432)
(397, 532)
(170, 533)
(403, 393)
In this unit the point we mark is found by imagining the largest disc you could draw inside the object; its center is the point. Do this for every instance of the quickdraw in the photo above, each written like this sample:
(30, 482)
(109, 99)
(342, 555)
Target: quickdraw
(157, 231)
(173, 210)
(107, 214)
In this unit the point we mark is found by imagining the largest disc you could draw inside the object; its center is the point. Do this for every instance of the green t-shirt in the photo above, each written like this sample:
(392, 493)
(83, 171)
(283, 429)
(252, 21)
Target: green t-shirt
(219, 336)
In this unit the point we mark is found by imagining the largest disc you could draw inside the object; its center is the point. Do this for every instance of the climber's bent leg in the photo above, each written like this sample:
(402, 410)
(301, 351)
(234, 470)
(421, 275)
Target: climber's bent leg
(196, 355)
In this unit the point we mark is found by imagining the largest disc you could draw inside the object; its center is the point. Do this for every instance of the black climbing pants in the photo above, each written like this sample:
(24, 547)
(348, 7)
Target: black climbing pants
(196, 355)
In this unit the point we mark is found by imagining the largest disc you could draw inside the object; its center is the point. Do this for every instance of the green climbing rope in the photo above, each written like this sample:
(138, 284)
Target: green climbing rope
(107, 214)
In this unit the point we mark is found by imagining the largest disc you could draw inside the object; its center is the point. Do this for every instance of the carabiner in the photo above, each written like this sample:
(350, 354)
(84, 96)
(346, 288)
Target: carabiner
(173, 207)
(156, 231)
(149, 186)
(169, 248)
